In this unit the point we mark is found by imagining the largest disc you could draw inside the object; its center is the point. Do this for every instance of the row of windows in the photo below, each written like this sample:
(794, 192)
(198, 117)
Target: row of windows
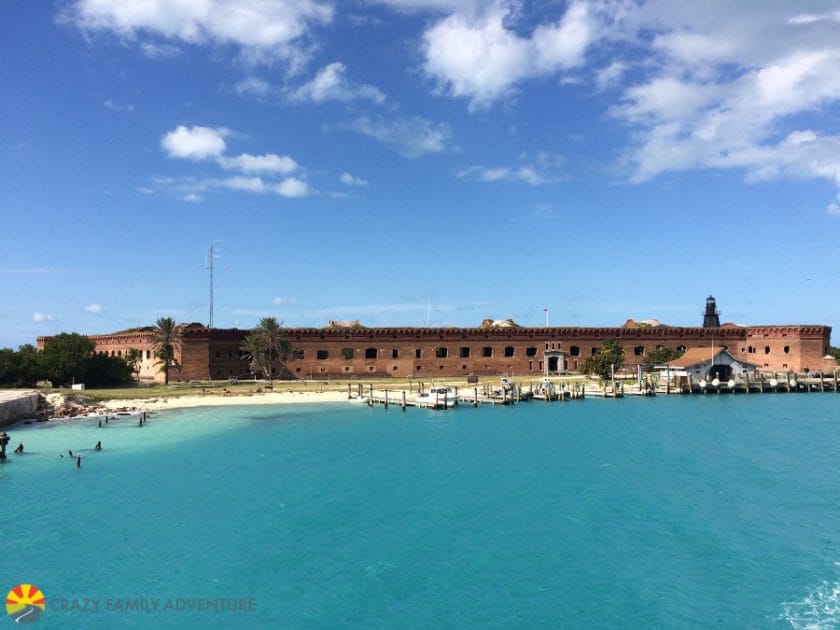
(144, 354)
(441, 352)
(464, 352)
(753, 349)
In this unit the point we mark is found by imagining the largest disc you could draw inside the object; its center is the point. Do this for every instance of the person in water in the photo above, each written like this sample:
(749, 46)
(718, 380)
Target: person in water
(19, 449)
(98, 446)
(70, 453)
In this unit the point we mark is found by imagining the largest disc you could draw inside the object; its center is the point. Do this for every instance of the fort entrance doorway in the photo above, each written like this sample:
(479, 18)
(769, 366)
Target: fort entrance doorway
(555, 362)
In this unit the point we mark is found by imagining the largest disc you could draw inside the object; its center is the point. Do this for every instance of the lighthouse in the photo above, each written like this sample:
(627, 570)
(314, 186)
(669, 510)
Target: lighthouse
(711, 318)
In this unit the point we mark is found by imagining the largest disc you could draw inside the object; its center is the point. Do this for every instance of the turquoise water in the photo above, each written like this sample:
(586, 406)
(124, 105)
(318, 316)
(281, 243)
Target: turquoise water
(708, 511)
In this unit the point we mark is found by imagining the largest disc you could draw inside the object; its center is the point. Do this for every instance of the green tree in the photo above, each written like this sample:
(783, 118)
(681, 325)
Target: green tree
(252, 347)
(163, 338)
(835, 352)
(267, 346)
(11, 369)
(661, 355)
(64, 356)
(104, 371)
(610, 355)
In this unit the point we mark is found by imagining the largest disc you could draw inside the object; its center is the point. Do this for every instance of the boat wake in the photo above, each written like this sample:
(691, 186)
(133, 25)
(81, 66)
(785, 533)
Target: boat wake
(818, 610)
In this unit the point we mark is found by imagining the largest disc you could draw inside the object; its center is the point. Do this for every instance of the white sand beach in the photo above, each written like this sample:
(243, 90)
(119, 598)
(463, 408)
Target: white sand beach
(215, 399)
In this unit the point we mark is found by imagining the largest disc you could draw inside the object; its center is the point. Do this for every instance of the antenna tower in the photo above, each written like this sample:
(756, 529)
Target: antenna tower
(211, 264)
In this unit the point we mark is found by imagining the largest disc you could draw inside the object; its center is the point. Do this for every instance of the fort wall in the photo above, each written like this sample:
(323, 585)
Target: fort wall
(437, 352)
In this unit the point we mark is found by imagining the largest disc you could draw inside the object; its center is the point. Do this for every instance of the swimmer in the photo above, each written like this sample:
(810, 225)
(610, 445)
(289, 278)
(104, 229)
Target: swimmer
(19, 449)
(98, 446)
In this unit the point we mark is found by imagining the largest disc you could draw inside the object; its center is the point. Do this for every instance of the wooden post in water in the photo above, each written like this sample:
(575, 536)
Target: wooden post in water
(475, 400)
(370, 399)
(386, 399)
(349, 391)
(78, 462)
(404, 405)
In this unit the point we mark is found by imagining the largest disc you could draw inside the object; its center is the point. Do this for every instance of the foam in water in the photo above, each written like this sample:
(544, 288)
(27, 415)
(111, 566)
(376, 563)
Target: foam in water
(818, 610)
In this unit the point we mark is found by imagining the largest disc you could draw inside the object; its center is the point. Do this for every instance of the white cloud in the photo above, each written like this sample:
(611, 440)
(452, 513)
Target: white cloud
(292, 187)
(352, 180)
(94, 308)
(263, 30)
(833, 209)
(330, 84)
(194, 143)
(40, 318)
(477, 56)
(546, 168)
(610, 75)
(253, 86)
(281, 301)
(109, 104)
(433, 5)
(159, 51)
(248, 184)
(410, 137)
(267, 163)
(724, 85)
(811, 18)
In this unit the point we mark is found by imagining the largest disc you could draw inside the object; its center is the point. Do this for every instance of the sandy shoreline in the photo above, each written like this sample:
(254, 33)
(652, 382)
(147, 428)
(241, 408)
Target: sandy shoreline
(220, 400)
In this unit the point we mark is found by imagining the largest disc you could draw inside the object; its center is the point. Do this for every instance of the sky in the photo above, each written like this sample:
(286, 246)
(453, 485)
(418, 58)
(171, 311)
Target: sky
(417, 162)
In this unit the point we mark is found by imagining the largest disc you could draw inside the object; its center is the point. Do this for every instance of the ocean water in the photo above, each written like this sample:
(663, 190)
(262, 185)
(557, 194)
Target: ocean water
(691, 512)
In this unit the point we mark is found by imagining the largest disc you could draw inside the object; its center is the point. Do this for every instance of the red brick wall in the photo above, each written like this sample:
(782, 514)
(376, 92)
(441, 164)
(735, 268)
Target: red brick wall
(215, 353)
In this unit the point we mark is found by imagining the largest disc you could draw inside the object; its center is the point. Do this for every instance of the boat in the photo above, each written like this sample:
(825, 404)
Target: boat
(437, 397)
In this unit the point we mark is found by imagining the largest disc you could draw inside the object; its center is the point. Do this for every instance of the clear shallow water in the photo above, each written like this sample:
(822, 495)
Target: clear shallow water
(713, 511)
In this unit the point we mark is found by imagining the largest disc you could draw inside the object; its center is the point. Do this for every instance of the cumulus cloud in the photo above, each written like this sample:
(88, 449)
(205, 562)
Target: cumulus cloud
(262, 30)
(351, 180)
(94, 308)
(194, 143)
(479, 57)
(331, 84)
(267, 163)
(410, 137)
(40, 318)
(292, 187)
(289, 187)
(206, 143)
(718, 88)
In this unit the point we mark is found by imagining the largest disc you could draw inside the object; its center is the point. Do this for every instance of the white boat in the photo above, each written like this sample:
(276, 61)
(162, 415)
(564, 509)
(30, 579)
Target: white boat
(437, 397)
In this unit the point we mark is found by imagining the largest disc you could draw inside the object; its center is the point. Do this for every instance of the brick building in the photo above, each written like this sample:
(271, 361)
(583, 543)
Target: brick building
(355, 351)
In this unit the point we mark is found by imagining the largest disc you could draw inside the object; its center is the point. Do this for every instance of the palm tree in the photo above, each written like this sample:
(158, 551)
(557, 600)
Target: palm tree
(133, 357)
(254, 351)
(267, 345)
(163, 338)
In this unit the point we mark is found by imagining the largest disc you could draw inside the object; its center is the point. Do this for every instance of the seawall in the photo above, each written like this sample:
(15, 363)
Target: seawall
(16, 405)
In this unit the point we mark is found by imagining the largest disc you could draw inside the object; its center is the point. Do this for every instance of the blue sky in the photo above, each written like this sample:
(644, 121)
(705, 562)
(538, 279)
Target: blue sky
(406, 162)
